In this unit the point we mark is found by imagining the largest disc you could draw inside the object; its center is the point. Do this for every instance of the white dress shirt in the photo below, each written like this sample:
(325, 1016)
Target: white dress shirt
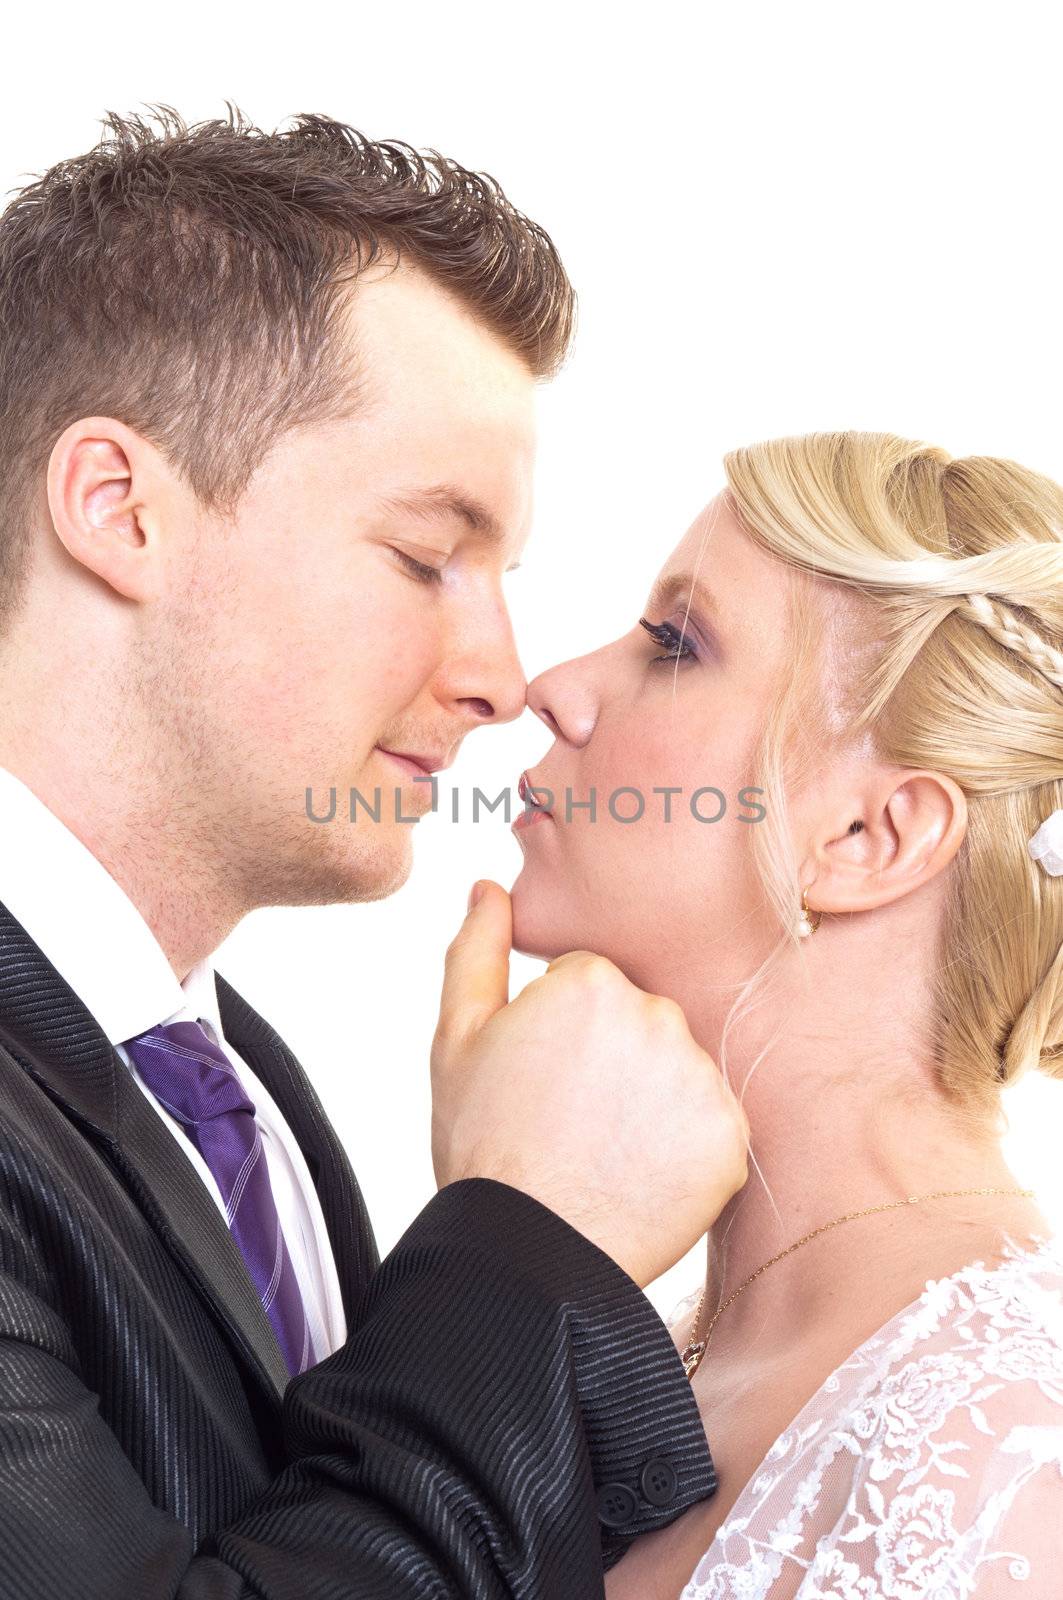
(97, 940)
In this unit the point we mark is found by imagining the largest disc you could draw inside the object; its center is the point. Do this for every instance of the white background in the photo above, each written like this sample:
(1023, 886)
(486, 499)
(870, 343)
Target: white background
(778, 218)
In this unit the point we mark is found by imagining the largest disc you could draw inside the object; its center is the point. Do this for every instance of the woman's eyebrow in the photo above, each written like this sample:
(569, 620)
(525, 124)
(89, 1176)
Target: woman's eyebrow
(676, 585)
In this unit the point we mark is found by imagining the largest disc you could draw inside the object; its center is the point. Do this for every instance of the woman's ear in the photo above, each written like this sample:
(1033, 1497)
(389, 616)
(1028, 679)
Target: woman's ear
(96, 483)
(885, 841)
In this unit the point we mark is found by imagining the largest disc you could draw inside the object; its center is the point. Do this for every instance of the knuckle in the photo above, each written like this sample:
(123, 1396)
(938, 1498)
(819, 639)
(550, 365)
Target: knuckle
(451, 970)
(740, 1136)
(668, 1013)
(596, 969)
(588, 970)
(442, 1039)
(446, 1038)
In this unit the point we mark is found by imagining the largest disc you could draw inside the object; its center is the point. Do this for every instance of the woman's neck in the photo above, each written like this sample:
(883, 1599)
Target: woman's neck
(825, 1147)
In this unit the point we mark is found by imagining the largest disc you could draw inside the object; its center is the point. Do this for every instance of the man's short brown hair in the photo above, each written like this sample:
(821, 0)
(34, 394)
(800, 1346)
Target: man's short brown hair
(189, 281)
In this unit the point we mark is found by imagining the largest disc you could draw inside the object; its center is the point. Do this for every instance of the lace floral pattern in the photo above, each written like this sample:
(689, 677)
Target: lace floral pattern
(929, 1466)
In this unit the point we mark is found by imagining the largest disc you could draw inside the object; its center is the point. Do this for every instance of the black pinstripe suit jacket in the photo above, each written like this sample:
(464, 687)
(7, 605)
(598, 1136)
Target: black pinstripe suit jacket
(500, 1371)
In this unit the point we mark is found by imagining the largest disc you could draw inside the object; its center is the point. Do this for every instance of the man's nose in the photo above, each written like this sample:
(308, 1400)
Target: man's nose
(488, 681)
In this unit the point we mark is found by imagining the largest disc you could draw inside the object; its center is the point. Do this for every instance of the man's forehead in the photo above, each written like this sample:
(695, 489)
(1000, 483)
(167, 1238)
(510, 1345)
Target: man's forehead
(401, 317)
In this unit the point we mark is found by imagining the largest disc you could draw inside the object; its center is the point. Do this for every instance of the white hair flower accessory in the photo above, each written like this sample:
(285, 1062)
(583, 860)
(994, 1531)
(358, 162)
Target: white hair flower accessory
(1046, 845)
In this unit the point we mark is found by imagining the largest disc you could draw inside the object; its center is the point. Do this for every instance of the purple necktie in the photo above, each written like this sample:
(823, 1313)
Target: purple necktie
(196, 1082)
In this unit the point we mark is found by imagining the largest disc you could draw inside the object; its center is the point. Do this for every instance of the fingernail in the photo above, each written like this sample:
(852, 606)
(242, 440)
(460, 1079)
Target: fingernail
(474, 894)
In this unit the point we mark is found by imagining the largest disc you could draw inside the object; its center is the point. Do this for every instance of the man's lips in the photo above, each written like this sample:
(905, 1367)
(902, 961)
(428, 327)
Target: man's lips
(420, 763)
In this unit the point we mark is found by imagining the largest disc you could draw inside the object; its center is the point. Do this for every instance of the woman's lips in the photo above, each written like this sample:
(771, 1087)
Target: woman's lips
(531, 812)
(529, 792)
(528, 819)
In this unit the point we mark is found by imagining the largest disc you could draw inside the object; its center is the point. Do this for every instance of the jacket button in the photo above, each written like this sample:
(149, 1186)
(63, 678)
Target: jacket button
(617, 1505)
(659, 1482)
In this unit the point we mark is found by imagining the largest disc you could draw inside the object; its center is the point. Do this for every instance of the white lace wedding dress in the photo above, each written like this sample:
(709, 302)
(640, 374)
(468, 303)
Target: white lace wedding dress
(929, 1466)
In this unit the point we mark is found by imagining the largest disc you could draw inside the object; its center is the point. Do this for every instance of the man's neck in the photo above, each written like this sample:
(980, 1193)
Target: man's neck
(145, 846)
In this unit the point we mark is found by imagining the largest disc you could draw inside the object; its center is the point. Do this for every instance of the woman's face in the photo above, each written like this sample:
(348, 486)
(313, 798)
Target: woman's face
(663, 899)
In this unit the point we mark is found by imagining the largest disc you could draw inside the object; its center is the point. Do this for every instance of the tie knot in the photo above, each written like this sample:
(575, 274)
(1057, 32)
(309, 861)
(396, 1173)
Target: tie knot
(187, 1072)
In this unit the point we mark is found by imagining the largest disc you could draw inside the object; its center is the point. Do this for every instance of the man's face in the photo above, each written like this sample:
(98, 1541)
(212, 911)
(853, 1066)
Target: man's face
(306, 644)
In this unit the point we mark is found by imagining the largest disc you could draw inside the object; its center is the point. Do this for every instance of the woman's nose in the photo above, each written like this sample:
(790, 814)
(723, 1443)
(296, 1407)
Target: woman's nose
(566, 699)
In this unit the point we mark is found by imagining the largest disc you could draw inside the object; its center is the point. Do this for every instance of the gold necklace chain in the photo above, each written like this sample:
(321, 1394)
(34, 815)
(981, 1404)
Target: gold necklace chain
(695, 1348)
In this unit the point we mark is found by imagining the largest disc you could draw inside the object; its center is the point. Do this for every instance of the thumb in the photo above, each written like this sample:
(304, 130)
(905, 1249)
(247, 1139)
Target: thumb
(476, 972)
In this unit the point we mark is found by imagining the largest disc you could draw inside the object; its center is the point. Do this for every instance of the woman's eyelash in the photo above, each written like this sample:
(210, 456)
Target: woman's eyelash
(420, 569)
(664, 633)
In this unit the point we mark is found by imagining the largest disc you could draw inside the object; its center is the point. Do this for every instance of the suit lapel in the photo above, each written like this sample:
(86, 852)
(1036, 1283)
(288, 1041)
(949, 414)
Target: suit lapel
(55, 1038)
(350, 1231)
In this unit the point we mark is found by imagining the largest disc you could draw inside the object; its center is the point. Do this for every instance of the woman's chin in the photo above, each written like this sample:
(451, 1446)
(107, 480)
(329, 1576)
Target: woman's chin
(537, 941)
(536, 931)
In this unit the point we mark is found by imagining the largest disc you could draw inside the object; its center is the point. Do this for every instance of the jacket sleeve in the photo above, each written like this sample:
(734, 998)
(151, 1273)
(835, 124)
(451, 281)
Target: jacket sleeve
(506, 1415)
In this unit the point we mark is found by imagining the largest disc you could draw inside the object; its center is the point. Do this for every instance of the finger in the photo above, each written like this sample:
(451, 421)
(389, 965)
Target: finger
(476, 971)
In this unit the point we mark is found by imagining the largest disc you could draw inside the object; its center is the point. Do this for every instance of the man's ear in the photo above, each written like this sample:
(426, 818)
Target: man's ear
(890, 838)
(99, 475)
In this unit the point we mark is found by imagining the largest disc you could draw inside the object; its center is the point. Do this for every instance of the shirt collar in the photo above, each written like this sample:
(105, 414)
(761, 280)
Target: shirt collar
(87, 926)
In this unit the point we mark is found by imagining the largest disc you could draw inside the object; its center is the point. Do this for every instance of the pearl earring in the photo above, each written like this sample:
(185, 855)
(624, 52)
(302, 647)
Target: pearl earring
(806, 927)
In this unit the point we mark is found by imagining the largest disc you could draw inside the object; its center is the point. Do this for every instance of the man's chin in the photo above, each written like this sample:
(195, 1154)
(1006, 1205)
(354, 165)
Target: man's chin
(350, 876)
(386, 872)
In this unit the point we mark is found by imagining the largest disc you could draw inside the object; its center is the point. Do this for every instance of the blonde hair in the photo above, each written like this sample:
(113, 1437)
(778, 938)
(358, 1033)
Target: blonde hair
(952, 573)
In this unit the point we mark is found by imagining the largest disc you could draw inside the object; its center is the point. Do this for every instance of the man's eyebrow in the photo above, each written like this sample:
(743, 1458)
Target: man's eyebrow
(676, 585)
(441, 502)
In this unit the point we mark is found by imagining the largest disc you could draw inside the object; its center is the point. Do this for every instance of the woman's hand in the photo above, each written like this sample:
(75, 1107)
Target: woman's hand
(586, 1092)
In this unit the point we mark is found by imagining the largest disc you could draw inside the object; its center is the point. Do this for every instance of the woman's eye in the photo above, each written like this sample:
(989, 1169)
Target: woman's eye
(420, 569)
(670, 638)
